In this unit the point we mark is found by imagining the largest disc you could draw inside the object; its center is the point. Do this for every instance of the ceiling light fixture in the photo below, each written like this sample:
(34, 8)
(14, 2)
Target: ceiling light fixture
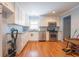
(53, 12)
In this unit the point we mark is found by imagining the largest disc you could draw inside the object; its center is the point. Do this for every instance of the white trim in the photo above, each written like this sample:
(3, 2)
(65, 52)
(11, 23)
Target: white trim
(65, 13)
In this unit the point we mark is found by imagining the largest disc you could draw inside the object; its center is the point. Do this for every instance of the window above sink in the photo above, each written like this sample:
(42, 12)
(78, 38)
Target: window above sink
(34, 23)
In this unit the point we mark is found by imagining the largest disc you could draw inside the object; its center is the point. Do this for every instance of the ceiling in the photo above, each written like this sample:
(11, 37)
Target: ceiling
(45, 8)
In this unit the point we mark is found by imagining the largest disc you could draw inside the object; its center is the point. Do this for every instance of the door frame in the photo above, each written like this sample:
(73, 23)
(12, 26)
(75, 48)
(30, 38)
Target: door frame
(64, 18)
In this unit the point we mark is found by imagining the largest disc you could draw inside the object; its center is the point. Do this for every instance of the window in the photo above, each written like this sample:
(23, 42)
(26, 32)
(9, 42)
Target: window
(34, 23)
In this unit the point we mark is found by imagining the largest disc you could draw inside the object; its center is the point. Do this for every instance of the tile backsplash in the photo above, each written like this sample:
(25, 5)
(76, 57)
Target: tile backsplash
(18, 27)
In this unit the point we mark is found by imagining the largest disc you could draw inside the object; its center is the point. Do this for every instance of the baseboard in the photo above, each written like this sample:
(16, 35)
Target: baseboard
(37, 41)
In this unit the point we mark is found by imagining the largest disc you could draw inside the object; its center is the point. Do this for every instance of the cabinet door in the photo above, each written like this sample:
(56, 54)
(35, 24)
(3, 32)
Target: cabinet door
(16, 14)
(33, 36)
(19, 43)
(20, 16)
(8, 14)
(23, 18)
(9, 5)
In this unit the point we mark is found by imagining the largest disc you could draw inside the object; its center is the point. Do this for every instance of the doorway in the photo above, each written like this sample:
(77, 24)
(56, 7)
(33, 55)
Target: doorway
(67, 27)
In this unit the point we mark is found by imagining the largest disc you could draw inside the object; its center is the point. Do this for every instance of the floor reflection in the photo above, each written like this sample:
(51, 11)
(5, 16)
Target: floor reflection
(34, 54)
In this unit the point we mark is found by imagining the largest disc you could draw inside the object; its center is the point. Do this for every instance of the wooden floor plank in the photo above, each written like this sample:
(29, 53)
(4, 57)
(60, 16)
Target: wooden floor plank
(44, 49)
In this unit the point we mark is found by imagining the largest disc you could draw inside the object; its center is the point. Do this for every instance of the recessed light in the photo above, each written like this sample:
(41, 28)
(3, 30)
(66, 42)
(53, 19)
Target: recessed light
(53, 12)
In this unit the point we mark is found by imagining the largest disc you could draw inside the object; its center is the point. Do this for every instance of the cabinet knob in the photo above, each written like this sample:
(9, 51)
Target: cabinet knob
(31, 34)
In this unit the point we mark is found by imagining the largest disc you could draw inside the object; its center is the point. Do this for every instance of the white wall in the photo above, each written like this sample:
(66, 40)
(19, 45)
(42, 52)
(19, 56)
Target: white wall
(74, 20)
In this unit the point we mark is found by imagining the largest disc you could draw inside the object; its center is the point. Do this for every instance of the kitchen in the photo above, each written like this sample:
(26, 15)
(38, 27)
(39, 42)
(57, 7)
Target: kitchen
(12, 18)
(32, 24)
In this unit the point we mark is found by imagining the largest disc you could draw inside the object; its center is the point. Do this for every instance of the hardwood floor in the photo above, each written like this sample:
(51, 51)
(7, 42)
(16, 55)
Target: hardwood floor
(44, 49)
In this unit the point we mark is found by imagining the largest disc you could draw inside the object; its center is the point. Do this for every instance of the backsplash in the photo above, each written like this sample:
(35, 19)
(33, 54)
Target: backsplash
(18, 27)
(25, 28)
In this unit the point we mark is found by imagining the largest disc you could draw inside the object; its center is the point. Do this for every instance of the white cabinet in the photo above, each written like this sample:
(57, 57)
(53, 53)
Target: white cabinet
(8, 12)
(9, 5)
(14, 13)
(19, 16)
(18, 42)
(33, 36)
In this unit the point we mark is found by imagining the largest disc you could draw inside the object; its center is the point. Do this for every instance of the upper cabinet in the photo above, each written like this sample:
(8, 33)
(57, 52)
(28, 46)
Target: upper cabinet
(19, 15)
(8, 12)
(9, 5)
(14, 13)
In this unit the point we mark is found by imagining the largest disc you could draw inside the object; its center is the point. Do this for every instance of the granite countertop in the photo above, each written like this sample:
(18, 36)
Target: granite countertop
(18, 33)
